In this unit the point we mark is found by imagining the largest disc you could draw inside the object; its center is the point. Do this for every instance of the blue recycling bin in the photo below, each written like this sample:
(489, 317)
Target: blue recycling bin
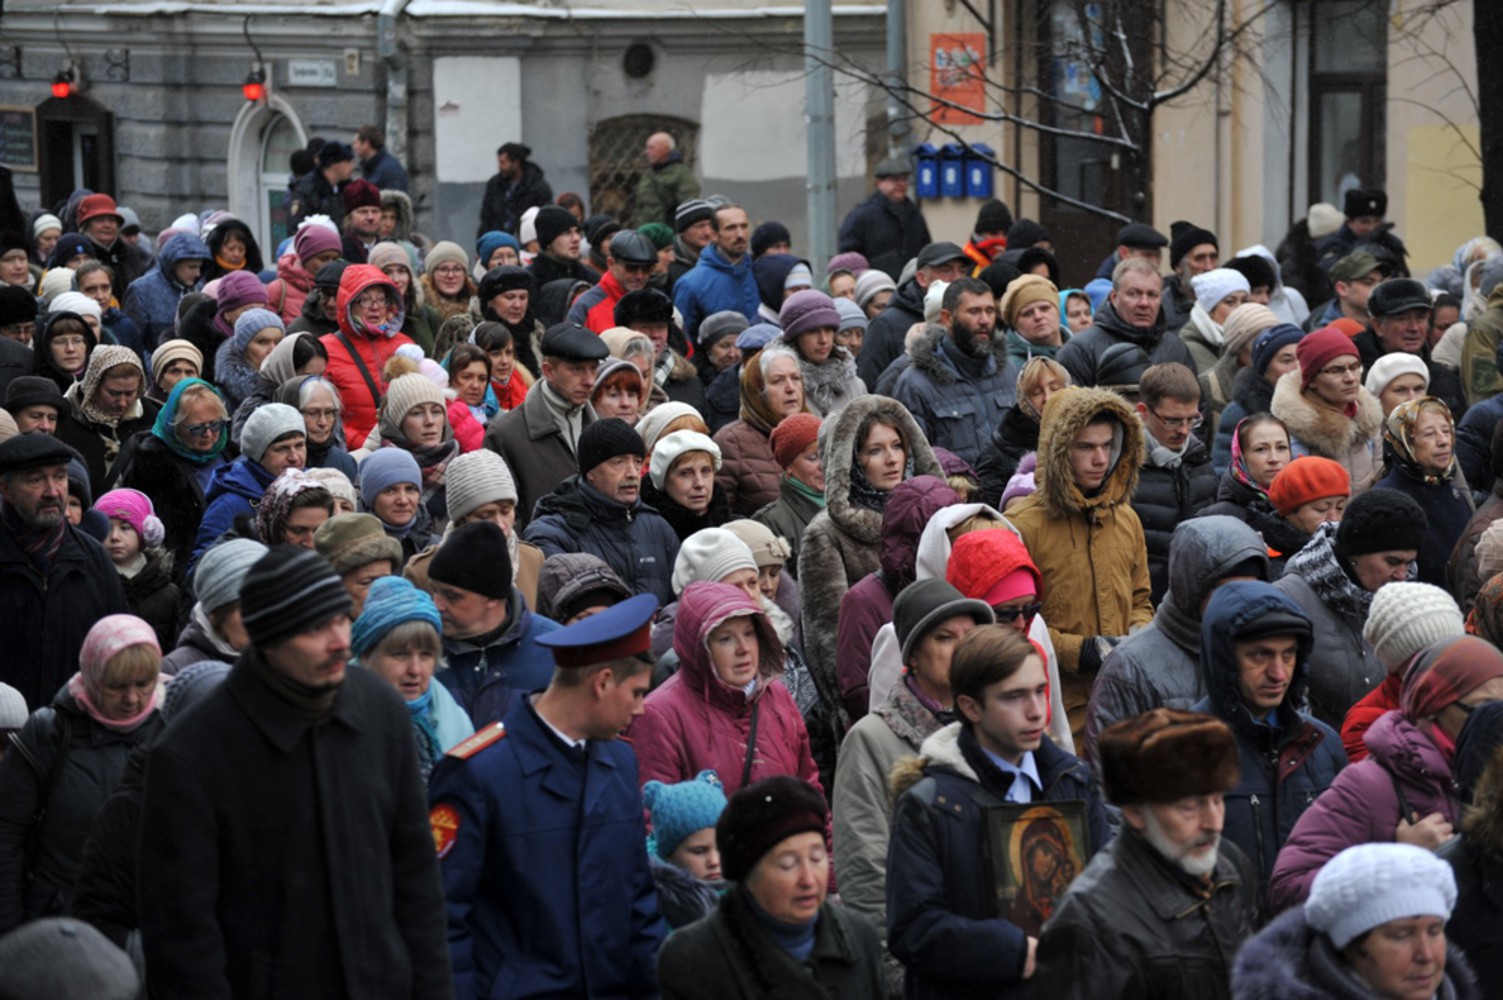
(952, 170)
(927, 172)
(979, 171)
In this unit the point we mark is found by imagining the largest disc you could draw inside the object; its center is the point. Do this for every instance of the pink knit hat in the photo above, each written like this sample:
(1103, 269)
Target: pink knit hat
(314, 239)
(240, 288)
(109, 636)
(134, 508)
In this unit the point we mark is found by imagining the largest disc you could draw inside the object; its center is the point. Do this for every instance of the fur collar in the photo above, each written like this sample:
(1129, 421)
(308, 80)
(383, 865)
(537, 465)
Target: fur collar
(1325, 431)
(928, 358)
(1066, 414)
(942, 748)
(838, 452)
(1482, 824)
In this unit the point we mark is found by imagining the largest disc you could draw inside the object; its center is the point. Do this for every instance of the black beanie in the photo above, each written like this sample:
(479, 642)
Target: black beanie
(1381, 520)
(998, 275)
(768, 234)
(551, 223)
(1186, 236)
(17, 305)
(1257, 270)
(761, 815)
(994, 218)
(1025, 233)
(289, 590)
(604, 440)
(647, 305)
(474, 557)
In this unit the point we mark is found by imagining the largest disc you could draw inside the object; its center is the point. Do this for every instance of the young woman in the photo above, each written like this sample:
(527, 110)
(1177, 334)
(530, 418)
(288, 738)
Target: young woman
(61, 350)
(447, 285)
(421, 321)
(810, 321)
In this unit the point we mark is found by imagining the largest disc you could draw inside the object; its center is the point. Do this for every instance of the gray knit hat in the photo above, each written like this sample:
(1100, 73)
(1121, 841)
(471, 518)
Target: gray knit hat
(475, 479)
(270, 422)
(191, 686)
(62, 958)
(726, 323)
(221, 571)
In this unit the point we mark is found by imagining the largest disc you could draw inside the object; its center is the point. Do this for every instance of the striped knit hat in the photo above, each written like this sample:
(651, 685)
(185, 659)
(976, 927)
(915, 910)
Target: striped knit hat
(289, 590)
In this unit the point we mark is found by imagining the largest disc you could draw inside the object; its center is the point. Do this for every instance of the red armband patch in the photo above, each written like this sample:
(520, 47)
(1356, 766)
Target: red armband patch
(444, 821)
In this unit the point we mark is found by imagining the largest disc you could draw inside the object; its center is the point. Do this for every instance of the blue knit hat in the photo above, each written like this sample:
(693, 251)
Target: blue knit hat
(390, 602)
(252, 322)
(387, 467)
(491, 241)
(1270, 342)
(682, 809)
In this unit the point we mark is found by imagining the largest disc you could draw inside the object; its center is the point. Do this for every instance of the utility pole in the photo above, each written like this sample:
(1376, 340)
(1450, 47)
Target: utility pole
(819, 49)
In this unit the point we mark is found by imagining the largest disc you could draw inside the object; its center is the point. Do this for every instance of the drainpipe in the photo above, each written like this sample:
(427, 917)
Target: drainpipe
(897, 77)
(395, 62)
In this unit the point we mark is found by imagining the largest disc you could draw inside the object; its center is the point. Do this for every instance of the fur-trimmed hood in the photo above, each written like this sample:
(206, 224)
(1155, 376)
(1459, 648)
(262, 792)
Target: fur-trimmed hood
(926, 356)
(941, 749)
(1064, 417)
(838, 450)
(1325, 431)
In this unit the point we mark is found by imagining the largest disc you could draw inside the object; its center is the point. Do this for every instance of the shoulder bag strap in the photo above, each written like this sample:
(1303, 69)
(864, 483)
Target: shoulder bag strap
(365, 372)
(1405, 813)
(751, 745)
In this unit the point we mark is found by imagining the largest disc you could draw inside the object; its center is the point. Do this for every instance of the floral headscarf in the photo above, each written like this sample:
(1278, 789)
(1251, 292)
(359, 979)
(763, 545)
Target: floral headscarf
(1398, 433)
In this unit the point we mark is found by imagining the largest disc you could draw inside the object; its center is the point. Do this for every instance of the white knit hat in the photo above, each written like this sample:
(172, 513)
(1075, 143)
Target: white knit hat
(402, 394)
(74, 302)
(13, 711)
(1391, 366)
(476, 479)
(710, 554)
(527, 230)
(1370, 884)
(1216, 284)
(1324, 219)
(337, 483)
(1404, 618)
(650, 427)
(934, 298)
(668, 450)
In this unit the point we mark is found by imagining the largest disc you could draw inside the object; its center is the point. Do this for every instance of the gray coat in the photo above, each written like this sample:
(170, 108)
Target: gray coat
(956, 412)
(1159, 666)
(1082, 354)
(537, 454)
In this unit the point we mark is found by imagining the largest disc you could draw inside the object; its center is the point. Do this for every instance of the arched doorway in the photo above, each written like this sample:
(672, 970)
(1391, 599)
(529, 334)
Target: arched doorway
(264, 136)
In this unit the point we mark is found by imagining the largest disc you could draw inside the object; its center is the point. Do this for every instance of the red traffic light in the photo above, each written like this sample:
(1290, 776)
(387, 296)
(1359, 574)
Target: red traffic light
(62, 84)
(254, 87)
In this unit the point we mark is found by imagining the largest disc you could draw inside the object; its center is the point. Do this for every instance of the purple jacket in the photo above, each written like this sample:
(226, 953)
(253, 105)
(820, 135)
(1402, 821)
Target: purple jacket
(1361, 806)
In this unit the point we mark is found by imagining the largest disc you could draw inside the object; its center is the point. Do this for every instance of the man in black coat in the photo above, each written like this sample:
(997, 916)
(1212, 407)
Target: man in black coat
(887, 228)
(319, 192)
(1400, 309)
(883, 343)
(1131, 314)
(55, 581)
(518, 185)
(285, 846)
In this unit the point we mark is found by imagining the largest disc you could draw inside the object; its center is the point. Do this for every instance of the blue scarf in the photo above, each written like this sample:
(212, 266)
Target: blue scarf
(164, 430)
(429, 750)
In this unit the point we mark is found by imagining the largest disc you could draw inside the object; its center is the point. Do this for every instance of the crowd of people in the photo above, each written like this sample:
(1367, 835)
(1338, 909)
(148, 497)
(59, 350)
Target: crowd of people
(634, 607)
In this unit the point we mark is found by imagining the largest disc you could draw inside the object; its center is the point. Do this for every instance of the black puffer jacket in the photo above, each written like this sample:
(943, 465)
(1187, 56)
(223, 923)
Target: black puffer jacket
(1283, 539)
(884, 336)
(1016, 436)
(1081, 356)
(154, 598)
(105, 893)
(94, 762)
(1164, 498)
(148, 465)
(889, 233)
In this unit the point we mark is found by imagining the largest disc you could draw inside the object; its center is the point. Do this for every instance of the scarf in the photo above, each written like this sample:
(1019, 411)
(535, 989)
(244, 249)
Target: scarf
(164, 431)
(825, 381)
(424, 731)
(200, 617)
(432, 459)
(1398, 433)
(1209, 329)
(1318, 565)
(40, 547)
(805, 490)
(568, 419)
(313, 704)
(1162, 456)
(80, 692)
(866, 496)
(1238, 468)
(225, 265)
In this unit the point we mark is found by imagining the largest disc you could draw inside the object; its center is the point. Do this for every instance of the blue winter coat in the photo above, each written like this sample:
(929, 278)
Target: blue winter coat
(634, 541)
(956, 412)
(546, 897)
(1285, 766)
(1474, 442)
(234, 491)
(714, 285)
(941, 907)
(385, 171)
(486, 680)
(151, 300)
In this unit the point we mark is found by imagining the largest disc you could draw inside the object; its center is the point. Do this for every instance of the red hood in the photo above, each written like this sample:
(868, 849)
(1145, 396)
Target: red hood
(357, 278)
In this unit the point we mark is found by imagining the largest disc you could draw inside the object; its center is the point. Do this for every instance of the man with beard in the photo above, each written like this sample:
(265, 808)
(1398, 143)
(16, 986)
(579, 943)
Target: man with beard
(55, 581)
(1131, 314)
(284, 836)
(1192, 251)
(955, 387)
(1161, 911)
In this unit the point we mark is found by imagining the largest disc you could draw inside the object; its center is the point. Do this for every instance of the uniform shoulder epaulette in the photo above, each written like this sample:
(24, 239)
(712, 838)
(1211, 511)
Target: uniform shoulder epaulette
(465, 749)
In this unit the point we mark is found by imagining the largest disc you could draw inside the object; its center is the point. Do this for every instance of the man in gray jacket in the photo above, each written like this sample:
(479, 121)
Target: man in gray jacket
(1159, 666)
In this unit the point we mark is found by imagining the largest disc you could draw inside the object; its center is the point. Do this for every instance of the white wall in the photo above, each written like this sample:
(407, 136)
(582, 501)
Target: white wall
(475, 99)
(749, 130)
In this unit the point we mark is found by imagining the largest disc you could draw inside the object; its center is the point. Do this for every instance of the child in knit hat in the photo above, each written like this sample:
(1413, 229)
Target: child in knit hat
(681, 847)
(134, 545)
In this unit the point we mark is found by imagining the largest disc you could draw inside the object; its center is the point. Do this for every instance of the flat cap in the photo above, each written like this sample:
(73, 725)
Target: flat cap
(1141, 236)
(29, 451)
(630, 247)
(1397, 295)
(893, 166)
(572, 342)
(940, 253)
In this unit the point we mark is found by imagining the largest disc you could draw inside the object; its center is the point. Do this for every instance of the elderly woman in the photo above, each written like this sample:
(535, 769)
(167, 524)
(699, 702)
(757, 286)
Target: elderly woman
(1397, 378)
(1217, 292)
(66, 761)
(214, 630)
(1421, 441)
(108, 408)
(801, 490)
(317, 399)
(1374, 928)
(296, 354)
(773, 933)
(1018, 432)
(681, 484)
(772, 388)
(1271, 353)
(397, 638)
(391, 488)
(1327, 410)
(1333, 579)
(729, 657)
(1030, 311)
(810, 321)
(629, 345)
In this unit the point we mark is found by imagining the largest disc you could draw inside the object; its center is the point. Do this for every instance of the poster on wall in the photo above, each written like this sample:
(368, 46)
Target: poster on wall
(957, 77)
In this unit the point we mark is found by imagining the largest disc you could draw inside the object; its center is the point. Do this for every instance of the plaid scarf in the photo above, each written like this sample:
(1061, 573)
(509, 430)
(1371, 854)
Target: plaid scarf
(40, 547)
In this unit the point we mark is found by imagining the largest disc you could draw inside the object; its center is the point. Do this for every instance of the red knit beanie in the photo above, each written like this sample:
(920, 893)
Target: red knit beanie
(982, 559)
(792, 435)
(1305, 480)
(1318, 349)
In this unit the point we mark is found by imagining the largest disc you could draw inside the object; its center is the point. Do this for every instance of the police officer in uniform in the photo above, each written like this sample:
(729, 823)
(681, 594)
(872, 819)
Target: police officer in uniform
(538, 824)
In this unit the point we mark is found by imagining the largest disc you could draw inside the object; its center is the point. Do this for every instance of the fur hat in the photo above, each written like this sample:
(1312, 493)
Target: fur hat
(1404, 618)
(1167, 754)
(360, 193)
(1381, 520)
(350, 541)
(762, 815)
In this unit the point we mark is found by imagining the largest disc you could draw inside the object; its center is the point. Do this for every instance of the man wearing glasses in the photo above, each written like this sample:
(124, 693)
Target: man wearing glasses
(1177, 480)
(629, 264)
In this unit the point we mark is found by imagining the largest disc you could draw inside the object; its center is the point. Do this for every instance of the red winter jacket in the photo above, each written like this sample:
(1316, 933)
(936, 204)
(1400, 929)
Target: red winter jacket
(1359, 718)
(695, 721)
(375, 350)
(602, 315)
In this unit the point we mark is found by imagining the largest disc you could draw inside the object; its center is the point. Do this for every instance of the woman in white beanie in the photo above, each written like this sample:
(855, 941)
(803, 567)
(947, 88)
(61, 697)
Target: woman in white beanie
(1374, 928)
(1217, 292)
(415, 417)
(682, 486)
(1397, 378)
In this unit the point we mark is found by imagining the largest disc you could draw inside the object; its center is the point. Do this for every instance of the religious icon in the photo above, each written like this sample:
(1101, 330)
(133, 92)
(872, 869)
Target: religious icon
(1034, 852)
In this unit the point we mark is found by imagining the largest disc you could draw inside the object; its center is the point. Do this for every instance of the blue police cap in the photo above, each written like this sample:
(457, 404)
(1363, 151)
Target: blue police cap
(617, 632)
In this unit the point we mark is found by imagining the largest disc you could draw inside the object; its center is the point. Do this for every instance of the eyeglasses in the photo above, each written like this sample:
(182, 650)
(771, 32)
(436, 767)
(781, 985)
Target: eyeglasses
(636, 268)
(19, 329)
(449, 269)
(328, 414)
(371, 302)
(1028, 611)
(1342, 371)
(66, 342)
(201, 430)
(1178, 422)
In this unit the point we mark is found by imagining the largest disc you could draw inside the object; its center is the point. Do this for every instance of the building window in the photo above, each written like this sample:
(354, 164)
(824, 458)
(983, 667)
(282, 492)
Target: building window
(1348, 91)
(617, 158)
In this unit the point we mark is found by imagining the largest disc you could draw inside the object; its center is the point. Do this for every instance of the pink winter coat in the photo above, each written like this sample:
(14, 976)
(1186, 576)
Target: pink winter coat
(1361, 806)
(696, 721)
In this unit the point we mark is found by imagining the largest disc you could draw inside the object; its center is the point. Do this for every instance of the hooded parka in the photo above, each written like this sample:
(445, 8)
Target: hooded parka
(372, 347)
